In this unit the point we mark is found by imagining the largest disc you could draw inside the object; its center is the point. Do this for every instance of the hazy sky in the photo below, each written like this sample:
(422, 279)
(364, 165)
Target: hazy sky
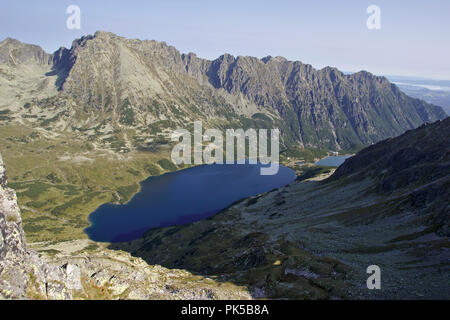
(414, 39)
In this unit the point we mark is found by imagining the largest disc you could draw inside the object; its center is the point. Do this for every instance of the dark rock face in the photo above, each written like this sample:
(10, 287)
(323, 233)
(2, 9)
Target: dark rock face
(327, 107)
(420, 155)
(415, 164)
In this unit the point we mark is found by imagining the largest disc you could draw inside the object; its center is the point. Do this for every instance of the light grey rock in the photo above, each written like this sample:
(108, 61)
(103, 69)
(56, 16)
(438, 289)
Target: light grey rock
(73, 275)
(23, 274)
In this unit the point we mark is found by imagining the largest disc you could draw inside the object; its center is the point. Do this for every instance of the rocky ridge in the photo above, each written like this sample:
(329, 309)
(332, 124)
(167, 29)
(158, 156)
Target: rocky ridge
(139, 83)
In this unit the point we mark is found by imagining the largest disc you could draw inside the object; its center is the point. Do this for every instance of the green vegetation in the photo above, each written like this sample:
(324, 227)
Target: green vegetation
(308, 154)
(127, 192)
(127, 116)
(33, 190)
(158, 126)
(56, 192)
(75, 202)
(353, 150)
(167, 165)
(134, 172)
(262, 116)
(152, 169)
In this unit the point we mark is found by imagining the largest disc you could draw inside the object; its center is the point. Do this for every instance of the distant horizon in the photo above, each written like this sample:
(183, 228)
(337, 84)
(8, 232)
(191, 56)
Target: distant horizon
(409, 77)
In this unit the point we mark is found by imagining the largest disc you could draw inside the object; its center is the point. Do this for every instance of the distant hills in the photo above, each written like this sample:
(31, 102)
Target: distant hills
(106, 81)
(432, 91)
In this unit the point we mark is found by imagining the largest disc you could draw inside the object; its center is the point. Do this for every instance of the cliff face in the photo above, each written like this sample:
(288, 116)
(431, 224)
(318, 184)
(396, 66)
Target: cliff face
(22, 272)
(325, 107)
(99, 274)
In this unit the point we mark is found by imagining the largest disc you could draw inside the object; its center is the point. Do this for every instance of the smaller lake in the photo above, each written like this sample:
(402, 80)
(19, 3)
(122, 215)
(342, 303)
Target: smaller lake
(182, 197)
(332, 161)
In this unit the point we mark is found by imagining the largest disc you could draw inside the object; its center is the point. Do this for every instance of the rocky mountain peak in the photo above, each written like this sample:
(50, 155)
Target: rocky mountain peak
(105, 34)
(9, 41)
(314, 108)
(274, 59)
(14, 52)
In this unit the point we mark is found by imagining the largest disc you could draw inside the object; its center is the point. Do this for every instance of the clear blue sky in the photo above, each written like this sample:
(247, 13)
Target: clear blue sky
(414, 39)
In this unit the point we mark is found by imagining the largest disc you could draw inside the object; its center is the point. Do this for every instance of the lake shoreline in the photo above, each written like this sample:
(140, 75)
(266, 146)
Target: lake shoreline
(178, 197)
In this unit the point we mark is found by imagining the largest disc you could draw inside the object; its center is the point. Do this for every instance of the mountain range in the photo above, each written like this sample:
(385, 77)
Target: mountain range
(149, 84)
(436, 96)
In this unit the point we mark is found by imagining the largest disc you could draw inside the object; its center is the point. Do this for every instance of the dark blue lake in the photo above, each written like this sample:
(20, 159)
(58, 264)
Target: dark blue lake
(182, 197)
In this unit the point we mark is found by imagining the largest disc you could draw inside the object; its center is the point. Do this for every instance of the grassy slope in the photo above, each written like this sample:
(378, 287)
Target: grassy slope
(59, 182)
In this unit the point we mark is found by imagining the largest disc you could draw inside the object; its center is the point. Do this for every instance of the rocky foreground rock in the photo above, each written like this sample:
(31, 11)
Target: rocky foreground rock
(102, 274)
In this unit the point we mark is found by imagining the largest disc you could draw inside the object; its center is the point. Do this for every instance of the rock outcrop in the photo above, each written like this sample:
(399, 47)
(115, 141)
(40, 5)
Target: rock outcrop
(22, 272)
(101, 274)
